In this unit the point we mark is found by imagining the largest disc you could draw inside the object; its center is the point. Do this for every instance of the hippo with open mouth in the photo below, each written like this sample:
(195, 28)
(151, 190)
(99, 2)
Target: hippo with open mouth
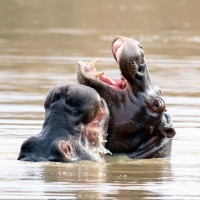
(139, 124)
(75, 127)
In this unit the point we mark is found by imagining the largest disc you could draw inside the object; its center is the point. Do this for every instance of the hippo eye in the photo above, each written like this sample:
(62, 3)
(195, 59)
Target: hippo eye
(158, 105)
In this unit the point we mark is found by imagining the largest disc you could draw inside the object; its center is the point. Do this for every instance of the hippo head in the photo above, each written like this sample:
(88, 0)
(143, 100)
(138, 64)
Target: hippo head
(139, 124)
(74, 129)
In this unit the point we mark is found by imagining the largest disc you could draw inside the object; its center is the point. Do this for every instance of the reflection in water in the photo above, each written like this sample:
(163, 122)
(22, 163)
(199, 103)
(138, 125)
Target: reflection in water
(78, 178)
(40, 44)
(87, 180)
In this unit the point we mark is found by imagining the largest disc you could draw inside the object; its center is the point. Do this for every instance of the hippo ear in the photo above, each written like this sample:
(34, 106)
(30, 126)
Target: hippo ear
(66, 150)
(168, 132)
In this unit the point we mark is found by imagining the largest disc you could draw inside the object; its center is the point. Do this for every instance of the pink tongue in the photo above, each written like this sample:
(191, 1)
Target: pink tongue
(106, 80)
(116, 83)
(117, 48)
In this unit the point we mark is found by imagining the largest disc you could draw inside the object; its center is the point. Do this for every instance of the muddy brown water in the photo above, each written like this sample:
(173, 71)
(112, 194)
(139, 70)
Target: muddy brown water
(40, 43)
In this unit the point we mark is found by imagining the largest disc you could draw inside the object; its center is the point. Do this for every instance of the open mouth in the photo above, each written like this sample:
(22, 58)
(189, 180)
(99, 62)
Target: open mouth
(94, 133)
(89, 71)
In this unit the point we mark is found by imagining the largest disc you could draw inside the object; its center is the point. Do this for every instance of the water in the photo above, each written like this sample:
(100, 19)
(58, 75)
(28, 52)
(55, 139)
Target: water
(40, 43)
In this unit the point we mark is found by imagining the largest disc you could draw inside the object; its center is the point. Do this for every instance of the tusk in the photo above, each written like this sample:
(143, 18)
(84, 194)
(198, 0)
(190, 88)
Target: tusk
(93, 62)
(98, 74)
(100, 111)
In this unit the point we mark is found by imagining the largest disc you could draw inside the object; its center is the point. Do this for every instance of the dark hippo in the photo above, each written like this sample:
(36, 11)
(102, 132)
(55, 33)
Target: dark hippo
(74, 129)
(139, 125)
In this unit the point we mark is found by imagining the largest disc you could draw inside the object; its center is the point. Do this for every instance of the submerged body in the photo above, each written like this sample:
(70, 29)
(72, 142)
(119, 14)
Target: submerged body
(74, 129)
(139, 125)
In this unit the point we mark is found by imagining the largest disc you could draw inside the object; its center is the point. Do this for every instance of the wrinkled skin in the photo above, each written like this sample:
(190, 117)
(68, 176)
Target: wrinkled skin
(74, 129)
(139, 124)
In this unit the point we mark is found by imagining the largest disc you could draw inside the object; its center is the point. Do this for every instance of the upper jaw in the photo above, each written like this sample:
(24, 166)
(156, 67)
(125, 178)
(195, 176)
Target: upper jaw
(117, 47)
(88, 74)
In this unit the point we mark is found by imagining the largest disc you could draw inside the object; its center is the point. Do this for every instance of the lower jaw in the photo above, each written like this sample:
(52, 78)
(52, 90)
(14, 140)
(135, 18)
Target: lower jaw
(164, 151)
(160, 150)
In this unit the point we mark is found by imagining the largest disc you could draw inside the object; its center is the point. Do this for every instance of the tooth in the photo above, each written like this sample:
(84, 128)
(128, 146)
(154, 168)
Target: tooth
(98, 74)
(100, 110)
(92, 63)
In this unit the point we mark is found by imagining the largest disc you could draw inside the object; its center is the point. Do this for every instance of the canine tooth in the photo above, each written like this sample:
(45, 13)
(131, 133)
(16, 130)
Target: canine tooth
(98, 74)
(123, 84)
(93, 62)
(100, 110)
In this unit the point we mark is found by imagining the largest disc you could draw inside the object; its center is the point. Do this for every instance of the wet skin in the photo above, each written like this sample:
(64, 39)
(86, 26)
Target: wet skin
(139, 124)
(75, 127)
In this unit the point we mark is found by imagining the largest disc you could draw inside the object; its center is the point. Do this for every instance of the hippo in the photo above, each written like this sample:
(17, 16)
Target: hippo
(139, 126)
(74, 128)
